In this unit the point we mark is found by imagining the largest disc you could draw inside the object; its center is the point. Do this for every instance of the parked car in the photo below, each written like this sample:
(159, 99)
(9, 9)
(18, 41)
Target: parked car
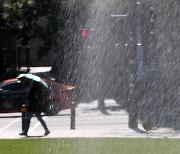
(13, 94)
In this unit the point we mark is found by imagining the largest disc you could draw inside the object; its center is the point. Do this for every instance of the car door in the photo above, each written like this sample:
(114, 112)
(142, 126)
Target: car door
(12, 96)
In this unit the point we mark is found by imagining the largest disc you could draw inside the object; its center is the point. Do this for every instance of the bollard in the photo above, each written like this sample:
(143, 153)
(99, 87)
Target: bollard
(73, 113)
(23, 111)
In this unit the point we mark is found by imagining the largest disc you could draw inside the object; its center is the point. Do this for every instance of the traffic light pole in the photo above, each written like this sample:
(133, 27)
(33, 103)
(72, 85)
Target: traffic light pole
(132, 101)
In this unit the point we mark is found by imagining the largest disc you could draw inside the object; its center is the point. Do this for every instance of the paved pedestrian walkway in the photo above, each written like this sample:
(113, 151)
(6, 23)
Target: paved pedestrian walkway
(103, 133)
(91, 123)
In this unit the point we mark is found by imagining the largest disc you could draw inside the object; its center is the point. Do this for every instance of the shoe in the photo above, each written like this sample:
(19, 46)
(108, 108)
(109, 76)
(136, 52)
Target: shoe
(23, 133)
(46, 132)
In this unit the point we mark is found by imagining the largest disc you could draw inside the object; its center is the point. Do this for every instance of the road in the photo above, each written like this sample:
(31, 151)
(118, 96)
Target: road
(90, 122)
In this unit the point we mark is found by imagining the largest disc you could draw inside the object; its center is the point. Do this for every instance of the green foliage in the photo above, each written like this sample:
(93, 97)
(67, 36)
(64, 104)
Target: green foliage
(19, 14)
(23, 20)
(20, 17)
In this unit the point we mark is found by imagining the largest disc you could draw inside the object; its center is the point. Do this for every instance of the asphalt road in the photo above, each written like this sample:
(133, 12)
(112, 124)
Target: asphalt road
(90, 122)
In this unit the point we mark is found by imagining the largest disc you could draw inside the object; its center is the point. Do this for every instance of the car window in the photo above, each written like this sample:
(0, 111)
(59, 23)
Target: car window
(13, 87)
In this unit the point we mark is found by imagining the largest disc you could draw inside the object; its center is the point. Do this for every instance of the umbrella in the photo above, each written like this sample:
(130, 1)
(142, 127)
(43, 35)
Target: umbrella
(33, 78)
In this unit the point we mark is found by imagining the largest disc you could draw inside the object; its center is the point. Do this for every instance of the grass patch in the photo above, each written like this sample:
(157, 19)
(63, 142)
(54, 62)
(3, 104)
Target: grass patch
(90, 146)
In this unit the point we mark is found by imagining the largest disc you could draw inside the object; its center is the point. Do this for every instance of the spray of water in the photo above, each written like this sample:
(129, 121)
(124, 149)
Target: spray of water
(130, 53)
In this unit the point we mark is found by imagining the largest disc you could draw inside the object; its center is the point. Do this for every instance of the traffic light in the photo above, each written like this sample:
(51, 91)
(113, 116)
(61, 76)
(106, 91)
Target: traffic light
(84, 33)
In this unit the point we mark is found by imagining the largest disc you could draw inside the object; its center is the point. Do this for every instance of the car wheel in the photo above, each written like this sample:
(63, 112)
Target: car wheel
(52, 108)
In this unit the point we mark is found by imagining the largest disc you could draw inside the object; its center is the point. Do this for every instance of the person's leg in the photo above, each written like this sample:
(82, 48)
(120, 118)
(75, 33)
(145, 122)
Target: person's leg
(39, 117)
(27, 123)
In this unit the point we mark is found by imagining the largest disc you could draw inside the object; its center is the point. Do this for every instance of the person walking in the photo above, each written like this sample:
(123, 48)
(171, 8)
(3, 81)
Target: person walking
(34, 104)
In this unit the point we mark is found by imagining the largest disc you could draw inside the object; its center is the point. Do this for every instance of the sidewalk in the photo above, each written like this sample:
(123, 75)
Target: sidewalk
(104, 133)
(95, 125)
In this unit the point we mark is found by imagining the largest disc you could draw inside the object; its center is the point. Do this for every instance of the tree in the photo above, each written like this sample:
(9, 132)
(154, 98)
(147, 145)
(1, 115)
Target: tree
(70, 18)
(22, 21)
(20, 17)
(89, 68)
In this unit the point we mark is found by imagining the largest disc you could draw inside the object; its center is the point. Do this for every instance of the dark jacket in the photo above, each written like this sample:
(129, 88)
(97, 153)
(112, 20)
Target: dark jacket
(36, 98)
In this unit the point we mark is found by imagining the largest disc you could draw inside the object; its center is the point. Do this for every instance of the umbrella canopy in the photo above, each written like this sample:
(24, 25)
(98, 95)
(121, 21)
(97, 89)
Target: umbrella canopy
(33, 78)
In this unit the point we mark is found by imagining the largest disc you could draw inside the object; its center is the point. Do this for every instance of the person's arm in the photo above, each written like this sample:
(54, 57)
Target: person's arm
(27, 104)
(29, 97)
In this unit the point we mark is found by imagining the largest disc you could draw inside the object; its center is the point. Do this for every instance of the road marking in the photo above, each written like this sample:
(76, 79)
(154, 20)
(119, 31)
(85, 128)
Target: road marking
(36, 125)
(10, 124)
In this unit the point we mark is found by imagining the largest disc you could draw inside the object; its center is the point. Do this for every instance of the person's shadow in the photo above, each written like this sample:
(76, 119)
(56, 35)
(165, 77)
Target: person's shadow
(34, 136)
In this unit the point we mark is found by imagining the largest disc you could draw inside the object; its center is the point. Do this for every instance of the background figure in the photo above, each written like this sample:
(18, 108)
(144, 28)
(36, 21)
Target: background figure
(35, 103)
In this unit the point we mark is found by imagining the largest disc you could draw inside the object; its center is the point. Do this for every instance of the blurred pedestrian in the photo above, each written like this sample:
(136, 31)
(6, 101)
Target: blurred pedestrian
(34, 104)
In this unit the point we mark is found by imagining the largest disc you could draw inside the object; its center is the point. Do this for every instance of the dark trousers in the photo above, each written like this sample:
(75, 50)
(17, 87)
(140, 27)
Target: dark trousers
(29, 115)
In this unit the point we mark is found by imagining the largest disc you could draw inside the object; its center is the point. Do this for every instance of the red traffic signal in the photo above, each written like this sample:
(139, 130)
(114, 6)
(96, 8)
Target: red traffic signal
(83, 32)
